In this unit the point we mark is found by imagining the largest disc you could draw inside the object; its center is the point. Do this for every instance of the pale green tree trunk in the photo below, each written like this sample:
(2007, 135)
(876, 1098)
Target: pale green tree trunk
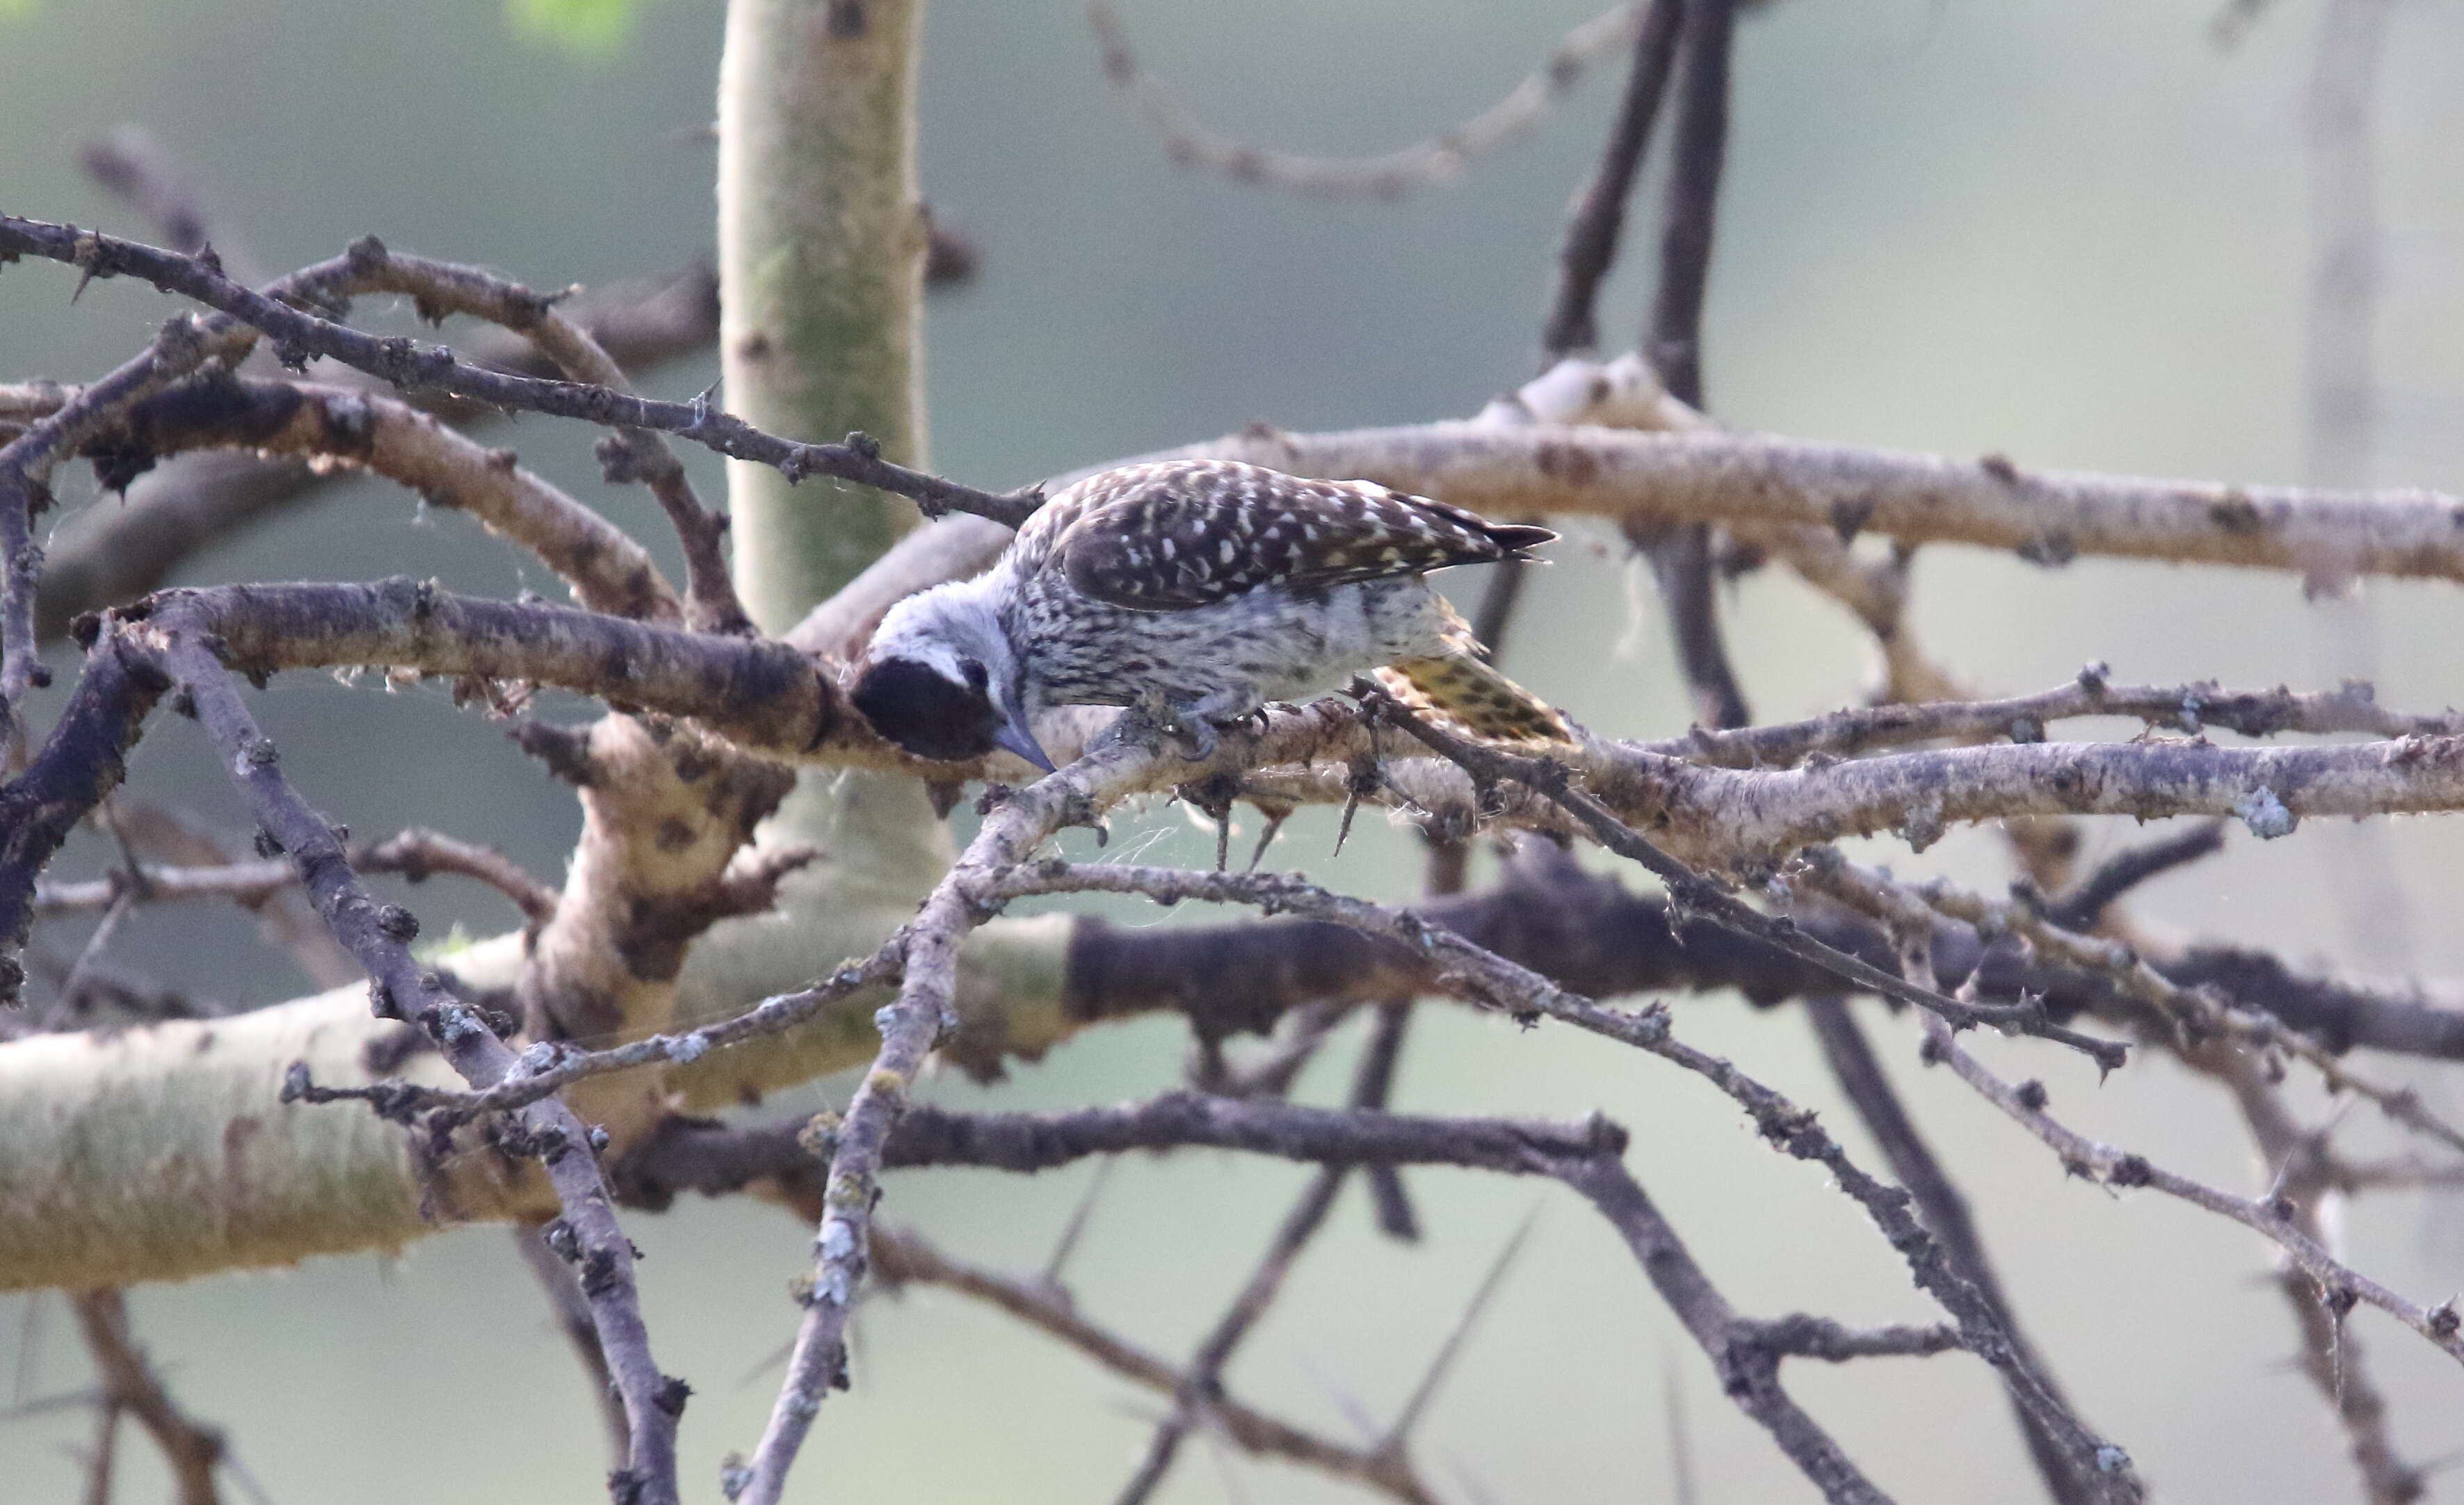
(821, 247)
(821, 244)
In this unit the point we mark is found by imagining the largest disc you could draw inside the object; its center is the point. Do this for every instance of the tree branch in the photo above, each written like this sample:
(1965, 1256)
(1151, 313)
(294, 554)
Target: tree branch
(1712, 475)
(903, 1256)
(2081, 1156)
(1589, 247)
(407, 365)
(379, 935)
(1387, 175)
(192, 1449)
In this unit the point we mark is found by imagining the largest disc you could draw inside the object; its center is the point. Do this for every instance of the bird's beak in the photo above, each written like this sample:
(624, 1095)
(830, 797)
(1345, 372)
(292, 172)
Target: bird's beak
(1013, 736)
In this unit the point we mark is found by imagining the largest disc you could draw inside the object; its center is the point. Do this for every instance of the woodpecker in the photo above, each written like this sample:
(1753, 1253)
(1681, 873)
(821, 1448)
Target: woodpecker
(1198, 590)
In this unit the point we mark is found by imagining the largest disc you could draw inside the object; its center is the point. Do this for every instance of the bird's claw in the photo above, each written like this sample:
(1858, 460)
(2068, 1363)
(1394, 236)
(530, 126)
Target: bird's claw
(1197, 739)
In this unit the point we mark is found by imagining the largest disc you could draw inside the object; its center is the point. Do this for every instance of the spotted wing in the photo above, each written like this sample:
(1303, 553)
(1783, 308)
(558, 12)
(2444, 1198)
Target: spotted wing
(1171, 536)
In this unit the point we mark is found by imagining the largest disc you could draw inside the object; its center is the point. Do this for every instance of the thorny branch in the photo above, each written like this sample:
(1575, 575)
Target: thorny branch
(1692, 892)
(2188, 1015)
(2331, 1353)
(2271, 1219)
(379, 935)
(1482, 977)
(416, 854)
(1939, 1201)
(298, 334)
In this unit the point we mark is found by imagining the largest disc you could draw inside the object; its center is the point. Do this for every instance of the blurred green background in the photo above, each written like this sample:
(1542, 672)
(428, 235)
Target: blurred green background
(2070, 231)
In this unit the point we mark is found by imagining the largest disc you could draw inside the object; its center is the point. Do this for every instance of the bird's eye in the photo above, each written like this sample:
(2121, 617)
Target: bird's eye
(977, 679)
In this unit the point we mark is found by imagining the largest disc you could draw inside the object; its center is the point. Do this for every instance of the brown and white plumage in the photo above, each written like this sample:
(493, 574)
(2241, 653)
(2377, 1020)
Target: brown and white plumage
(1197, 589)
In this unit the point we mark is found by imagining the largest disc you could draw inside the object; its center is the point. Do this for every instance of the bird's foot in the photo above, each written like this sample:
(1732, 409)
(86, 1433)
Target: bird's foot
(1196, 723)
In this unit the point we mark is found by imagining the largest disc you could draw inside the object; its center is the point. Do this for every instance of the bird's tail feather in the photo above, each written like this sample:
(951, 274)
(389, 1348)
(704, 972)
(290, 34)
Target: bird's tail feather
(1468, 692)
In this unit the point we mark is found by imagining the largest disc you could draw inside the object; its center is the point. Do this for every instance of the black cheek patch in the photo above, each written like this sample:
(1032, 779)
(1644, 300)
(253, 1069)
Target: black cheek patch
(914, 707)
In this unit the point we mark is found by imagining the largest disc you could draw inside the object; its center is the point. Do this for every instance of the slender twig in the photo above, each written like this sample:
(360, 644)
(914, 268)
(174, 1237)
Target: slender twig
(2083, 907)
(1205, 1378)
(2188, 1014)
(548, 1067)
(2081, 1156)
(26, 464)
(631, 453)
(1443, 1360)
(192, 1449)
(1805, 1337)
(414, 853)
(1699, 152)
(134, 165)
(1681, 558)
(99, 941)
(1749, 1373)
(2331, 1353)
(109, 555)
(103, 1456)
(1479, 975)
(1389, 174)
(901, 1256)
(2193, 709)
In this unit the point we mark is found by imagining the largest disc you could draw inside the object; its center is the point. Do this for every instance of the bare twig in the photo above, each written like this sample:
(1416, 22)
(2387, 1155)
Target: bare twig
(1443, 1360)
(631, 453)
(564, 1299)
(548, 1067)
(2187, 1014)
(902, 1257)
(107, 555)
(2331, 1353)
(379, 935)
(136, 168)
(1941, 1206)
(1749, 1373)
(1205, 1378)
(26, 464)
(2081, 1156)
(1392, 174)
(1699, 152)
(1680, 557)
(2083, 907)
(406, 364)
(1591, 244)
(1691, 891)
(2193, 709)
(192, 1449)
(1479, 975)
(415, 853)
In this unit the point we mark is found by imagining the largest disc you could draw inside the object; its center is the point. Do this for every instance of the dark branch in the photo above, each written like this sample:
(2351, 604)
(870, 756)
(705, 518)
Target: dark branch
(2126, 870)
(379, 935)
(1591, 244)
(1944, 1209)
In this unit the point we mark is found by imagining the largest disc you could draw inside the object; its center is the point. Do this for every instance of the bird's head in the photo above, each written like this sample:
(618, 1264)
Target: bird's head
(942, 681)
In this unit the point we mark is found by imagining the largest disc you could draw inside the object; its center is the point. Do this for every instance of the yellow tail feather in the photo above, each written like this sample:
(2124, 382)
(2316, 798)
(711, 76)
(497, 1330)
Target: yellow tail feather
(1475, 696)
